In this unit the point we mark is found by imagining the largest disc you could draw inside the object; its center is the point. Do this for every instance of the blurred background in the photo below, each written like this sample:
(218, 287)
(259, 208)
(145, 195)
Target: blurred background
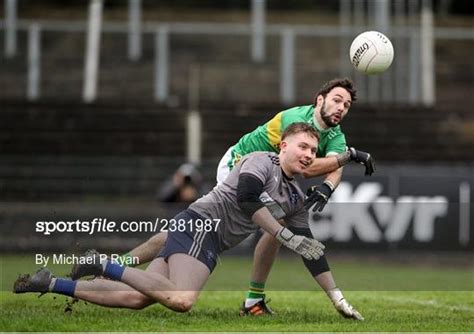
(102, 102)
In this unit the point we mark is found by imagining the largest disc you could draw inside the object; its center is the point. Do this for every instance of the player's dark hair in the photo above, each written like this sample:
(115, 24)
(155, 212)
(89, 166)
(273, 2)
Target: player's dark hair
(298, 127)
(345, 83)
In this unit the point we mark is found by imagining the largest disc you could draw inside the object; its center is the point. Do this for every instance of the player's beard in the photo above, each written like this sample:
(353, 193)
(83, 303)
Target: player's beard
(326, 117)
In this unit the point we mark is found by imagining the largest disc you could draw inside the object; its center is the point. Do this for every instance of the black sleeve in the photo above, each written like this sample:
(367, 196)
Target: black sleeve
(249, 189)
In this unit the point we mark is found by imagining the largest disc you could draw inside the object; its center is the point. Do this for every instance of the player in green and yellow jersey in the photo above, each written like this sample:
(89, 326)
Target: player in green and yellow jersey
(267, 137)
(331, 105)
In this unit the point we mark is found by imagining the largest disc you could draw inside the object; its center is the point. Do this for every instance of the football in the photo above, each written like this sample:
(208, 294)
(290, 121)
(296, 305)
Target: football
(371, 52)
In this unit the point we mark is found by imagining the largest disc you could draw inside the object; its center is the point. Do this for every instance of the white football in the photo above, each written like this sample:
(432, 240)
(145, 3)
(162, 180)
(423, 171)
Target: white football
(371, 52)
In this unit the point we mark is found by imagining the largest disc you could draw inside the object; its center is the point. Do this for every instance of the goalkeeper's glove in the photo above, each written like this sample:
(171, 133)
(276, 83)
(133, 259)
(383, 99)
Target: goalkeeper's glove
(342, 306)
(363, 158)
(310, 249)
(347, 310)
(319, 196)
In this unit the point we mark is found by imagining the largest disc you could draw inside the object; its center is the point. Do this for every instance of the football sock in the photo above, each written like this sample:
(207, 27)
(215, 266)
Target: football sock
(63, 286)
(113, 270)
(255, 293)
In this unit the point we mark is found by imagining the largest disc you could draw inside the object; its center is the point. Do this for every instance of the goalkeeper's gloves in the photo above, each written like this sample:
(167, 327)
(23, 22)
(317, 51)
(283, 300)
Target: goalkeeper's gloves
(319, 196)
(360, 157)
(310, 249)
(342, 306)
(347, 310)
(363, 158)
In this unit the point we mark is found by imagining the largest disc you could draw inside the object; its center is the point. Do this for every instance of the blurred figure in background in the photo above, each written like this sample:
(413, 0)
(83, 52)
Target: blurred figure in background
(184, 186)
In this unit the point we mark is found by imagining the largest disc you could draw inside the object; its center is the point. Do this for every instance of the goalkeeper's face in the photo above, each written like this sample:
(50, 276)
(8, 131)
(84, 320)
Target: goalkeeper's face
(335, 106)
(297, 153)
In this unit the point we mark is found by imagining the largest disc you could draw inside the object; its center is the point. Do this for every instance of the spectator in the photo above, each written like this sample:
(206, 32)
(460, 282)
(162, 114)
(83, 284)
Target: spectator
(183, 187)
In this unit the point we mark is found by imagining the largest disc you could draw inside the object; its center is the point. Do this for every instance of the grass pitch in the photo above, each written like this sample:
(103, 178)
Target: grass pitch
(390, 297)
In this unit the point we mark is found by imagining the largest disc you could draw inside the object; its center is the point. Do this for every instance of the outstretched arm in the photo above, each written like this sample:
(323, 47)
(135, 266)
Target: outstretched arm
(322, 166)
(249, 189)
(319, 195)
(331, 163)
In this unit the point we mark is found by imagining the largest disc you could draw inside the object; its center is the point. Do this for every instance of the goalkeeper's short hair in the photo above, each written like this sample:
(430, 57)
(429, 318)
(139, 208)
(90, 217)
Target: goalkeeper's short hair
(299, 127)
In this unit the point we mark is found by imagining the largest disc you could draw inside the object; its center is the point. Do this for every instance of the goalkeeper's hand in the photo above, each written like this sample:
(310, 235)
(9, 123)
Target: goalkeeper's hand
(347, 310)
(363, 158)
(319, 196)
(310, 249)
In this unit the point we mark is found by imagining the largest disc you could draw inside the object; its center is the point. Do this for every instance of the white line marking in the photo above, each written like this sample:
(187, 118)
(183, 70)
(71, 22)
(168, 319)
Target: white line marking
(431, 303)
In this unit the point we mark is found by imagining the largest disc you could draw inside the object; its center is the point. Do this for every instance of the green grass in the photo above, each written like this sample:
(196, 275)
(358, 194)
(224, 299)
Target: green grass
(392, 298)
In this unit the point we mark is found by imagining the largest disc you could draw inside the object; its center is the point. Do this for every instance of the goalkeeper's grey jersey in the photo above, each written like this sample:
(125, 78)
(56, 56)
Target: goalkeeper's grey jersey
(281, 195)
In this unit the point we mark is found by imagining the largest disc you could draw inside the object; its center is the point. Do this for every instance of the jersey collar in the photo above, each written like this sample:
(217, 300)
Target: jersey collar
(286, 177)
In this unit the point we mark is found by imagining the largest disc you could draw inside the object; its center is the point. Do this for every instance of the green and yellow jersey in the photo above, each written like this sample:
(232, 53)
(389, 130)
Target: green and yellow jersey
(267, 137)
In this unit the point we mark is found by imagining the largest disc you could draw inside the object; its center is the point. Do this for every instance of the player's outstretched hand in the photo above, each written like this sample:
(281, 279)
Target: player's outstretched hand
(309, 248)
(363, 158)
(347, 310)
(319, 196)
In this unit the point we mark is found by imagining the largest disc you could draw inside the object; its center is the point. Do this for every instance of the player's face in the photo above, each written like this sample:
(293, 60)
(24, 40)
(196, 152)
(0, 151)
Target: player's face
(335, 106)
(298, 152)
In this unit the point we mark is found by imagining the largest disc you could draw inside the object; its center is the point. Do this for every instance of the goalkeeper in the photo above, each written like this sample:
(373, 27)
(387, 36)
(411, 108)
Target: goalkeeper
(331, 105)
(176, 277)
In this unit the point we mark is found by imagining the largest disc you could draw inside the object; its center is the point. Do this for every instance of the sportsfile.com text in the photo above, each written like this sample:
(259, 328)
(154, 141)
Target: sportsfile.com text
(103, 225)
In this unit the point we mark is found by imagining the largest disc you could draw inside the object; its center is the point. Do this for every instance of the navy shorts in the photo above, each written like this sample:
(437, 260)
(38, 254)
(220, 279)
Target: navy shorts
(193, 241)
